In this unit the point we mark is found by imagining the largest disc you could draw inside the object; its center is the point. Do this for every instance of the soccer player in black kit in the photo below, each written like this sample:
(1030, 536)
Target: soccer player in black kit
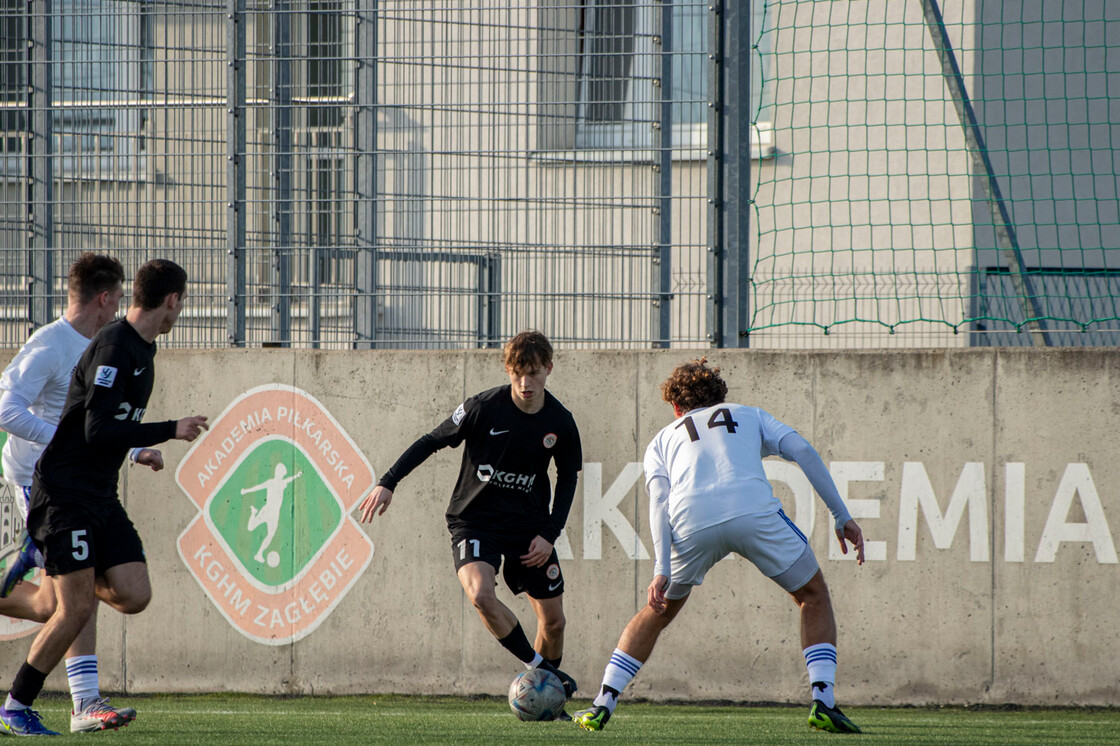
(499, 516)
(91, 548)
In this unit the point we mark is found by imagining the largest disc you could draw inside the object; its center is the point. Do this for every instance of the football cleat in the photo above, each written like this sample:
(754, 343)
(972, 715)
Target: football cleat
(593, 718)
(830, 719)
(20, 562)
(100, 715)
(23, 723)
(569, 683)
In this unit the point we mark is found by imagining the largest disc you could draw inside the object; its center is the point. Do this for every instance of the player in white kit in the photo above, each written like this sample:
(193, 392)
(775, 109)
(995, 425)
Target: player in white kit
(32, 393)
(709, 496)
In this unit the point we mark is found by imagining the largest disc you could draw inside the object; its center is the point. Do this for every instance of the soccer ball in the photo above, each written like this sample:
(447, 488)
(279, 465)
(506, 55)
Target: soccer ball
(536, 694)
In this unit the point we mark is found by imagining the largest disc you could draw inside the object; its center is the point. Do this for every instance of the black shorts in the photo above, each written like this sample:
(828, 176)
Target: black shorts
(470, 545)
(76, 536)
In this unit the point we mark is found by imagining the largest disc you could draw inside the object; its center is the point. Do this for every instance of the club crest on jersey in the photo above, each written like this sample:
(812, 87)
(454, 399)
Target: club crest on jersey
(460, 413)
(273, 544)
(553, 571)
(105, 376)
(549, 440)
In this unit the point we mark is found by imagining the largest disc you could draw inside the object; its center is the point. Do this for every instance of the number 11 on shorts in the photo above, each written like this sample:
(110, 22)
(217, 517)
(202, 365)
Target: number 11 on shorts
(463, 548)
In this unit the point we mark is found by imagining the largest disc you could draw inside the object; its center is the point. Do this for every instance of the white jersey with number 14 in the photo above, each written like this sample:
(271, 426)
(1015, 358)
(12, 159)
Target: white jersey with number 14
(712, 458)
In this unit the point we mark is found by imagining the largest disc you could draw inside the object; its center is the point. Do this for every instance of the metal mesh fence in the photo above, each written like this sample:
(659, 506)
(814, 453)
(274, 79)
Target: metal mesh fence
(624, 173)
(885, 115)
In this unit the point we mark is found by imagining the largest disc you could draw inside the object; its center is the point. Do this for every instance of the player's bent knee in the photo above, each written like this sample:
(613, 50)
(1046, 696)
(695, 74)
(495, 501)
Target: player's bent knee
(813, 593)
(482, 598)
(554, 625)
(42, 610)
(135, 603)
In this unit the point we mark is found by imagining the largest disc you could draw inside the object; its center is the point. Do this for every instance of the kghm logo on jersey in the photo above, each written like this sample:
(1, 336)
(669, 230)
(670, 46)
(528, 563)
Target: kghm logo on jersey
(508, 479)
(274, 545)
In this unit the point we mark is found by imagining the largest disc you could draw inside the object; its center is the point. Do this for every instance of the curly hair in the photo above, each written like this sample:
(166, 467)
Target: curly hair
(694, 385)
(528, 350)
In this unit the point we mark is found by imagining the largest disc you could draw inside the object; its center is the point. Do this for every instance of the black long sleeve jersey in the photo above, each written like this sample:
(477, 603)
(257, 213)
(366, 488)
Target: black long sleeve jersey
(503, 482)
(102, 417)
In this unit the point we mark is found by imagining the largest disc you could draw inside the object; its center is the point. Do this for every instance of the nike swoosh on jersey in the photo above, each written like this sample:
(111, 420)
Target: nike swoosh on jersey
(498, 432)
(138, 371)
(554, 587)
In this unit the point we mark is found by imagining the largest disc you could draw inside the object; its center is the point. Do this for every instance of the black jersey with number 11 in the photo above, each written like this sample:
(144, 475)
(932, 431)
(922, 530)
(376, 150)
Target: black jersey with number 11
(503, 483)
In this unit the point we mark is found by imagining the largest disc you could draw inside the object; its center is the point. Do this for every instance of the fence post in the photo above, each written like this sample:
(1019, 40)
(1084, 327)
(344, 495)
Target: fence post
(663, 165)
(235, 173)
(714, 305)
(40, 182)
(281, 265)
(365, 186)
(729, 176)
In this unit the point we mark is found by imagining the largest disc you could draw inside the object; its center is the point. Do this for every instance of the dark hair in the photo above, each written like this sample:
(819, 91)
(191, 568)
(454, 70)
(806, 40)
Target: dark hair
(92, 274)
(694, 385)
(529, 349)
(155, 280)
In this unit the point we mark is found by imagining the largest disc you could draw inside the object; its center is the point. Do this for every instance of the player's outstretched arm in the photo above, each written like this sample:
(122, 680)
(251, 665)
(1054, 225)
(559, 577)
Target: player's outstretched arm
(190, 428)
(376, 503)
(795, 448)
(853, 534)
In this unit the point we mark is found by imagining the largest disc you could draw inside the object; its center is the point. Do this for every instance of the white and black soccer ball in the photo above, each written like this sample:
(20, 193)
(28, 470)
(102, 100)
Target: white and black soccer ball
(536, 694)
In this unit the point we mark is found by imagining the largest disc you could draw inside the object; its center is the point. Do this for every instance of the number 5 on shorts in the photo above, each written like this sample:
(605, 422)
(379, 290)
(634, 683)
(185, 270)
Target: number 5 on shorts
(81, 546)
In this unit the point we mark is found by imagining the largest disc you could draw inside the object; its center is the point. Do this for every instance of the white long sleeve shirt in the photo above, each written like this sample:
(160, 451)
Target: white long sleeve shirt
(705, 468)
(32, 393)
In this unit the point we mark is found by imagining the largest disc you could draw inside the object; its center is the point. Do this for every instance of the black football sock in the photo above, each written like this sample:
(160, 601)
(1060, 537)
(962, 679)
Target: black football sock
(517, 643)
(29, 682)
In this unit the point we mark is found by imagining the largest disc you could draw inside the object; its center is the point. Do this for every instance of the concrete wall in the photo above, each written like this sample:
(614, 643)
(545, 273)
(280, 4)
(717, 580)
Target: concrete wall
(985, 482)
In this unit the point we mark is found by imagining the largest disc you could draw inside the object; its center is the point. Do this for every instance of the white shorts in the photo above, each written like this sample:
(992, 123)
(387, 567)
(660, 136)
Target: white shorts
(771, 541)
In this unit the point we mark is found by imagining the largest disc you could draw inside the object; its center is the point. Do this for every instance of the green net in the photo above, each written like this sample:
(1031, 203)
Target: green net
(942, 173)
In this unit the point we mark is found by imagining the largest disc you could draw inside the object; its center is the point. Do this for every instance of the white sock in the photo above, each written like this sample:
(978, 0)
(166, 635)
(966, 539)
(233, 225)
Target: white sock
(13, 704)
(619, 672)
(537, 660)
(821, 662)
(81, 671)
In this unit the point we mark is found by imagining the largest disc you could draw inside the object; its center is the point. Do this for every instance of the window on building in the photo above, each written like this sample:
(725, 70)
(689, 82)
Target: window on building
(98, 76)
(320, 88)
(618, 85)
(13, 83)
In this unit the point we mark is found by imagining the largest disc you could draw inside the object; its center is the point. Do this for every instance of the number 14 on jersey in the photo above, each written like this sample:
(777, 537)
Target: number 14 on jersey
(720, 418)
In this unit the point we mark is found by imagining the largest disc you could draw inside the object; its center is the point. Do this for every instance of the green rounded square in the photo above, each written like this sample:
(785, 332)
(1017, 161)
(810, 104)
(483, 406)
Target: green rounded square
(276, 487)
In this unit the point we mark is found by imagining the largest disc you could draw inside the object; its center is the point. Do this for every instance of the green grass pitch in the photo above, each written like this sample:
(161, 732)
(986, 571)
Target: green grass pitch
(228, 719)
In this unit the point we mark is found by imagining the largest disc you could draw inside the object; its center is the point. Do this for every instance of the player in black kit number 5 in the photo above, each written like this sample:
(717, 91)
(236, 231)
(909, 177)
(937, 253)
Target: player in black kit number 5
(90, 547)
(499, 516)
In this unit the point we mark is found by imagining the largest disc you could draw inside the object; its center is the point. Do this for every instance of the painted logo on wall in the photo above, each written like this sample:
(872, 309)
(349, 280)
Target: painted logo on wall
(273, 545)
(11, 525)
